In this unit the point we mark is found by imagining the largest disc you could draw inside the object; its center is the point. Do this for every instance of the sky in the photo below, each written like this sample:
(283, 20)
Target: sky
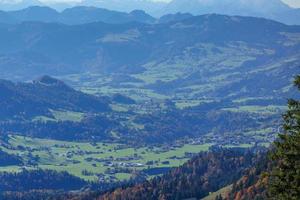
(292, 3)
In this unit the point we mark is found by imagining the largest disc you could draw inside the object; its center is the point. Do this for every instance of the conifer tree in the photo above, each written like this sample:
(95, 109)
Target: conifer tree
(285, 177)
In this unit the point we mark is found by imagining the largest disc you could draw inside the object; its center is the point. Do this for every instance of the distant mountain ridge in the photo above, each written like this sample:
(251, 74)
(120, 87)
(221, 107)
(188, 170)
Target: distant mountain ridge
(271, 9)
(75, 15)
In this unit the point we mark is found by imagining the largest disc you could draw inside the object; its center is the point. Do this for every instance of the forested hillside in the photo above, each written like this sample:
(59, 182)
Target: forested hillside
(8, 159)
(203, 174)
(39, 180)
(25, 100)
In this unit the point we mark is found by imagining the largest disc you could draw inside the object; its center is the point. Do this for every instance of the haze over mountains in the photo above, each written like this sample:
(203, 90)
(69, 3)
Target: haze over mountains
(220, 62)
(183, 51)
(75, 15)
(272, 9)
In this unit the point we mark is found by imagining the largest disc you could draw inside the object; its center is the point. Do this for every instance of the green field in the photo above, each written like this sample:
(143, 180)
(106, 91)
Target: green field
(222, 192)
(77, 157)
(59, 115)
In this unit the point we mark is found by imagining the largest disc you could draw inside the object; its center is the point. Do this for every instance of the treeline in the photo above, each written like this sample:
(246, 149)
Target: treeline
(174, 124)
(253, 184)
(94, 127)
(9, 159)
(158, 127)
(27, 180)
(52, 185)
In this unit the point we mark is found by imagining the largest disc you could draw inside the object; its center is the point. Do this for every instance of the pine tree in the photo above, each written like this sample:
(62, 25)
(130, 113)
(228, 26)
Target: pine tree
(285, 177)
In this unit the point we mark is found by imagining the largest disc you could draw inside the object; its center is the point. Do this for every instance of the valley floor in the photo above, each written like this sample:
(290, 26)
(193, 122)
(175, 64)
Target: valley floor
(106, 162)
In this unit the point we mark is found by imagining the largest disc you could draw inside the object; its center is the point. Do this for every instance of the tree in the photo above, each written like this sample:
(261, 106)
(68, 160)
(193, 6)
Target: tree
(285, 177)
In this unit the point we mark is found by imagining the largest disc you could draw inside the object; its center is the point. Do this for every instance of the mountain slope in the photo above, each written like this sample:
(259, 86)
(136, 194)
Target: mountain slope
(43, 95)
(205, 173)
(39, 180)
(35, 13)
(174, 17)
(5, 18)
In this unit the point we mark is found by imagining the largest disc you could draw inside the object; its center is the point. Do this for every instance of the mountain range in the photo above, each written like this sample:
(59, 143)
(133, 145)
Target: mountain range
(272, 9)
(223, 63)
(128, 96)
(165, 57)
(75, 15)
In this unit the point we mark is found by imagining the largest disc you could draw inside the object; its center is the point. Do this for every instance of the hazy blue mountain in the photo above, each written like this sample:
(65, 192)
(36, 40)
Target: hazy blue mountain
(174, 17)
(272, 9)
(142, 16)
(6, 18)
(119, 5)
(17, 5)
(149, 6)
(35, 13)
(75, 15)
(81, 15)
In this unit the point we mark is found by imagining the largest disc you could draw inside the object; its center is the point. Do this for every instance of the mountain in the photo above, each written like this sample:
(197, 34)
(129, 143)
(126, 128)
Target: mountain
(174, 17)
(43, 95)
(149, 6)
(35, 13)
(238, 51)
(74, 15)
(272, 9)
(120, 5)
(142, 16)
(6, 18)
(82, 15)
(230, 67)
(48, 108)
